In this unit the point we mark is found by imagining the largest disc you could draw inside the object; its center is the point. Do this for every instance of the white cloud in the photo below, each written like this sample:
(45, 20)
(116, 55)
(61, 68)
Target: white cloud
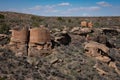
(85, 14)
(80, 10)
(42, 9)
(37, 7)
(64, 4)
(104, 4)
(94, 8)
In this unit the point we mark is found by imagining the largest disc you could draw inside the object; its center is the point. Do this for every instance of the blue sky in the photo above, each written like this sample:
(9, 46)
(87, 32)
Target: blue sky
(63, 7)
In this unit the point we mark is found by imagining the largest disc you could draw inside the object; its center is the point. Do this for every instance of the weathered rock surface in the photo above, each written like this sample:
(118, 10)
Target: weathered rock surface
(81, 31)
(94, 48)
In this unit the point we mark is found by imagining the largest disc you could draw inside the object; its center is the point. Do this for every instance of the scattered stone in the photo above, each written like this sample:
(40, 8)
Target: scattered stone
(100, 71)
(81, 31)
(103, 58)
(113, 65)
(2, 36)
(75, 29)
(33, 60)
(54, 61)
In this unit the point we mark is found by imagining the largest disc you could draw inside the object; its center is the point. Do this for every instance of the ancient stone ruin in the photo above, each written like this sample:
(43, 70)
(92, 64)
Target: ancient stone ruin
(19, 36)
(40, 39)
(26, 42)
(18, 41)
(86, 24)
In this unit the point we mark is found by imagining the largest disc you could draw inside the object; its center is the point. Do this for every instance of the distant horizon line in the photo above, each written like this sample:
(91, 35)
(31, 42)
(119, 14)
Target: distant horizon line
(54, 16)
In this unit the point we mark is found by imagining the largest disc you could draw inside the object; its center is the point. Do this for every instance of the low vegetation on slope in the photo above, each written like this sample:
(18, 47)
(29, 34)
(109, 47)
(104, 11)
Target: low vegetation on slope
(67, 62)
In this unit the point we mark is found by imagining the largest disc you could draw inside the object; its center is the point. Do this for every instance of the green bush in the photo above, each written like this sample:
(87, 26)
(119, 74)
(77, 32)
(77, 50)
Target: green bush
(69, 20)
(96, 24)
(2, 16)
(35, 18)
(59, 18)
(36, 21)
(4, 29)
(35, 24)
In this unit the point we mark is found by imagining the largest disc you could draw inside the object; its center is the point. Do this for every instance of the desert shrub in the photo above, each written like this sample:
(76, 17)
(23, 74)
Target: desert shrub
(36, 21)
(4, 29)
(35, 24)
(69, 20)
(96, 24)
(59, 18)
(2, 16)
(35, 18)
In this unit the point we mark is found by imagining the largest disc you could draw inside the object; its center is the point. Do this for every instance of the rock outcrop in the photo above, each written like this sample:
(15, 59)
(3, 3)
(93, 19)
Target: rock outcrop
(100, 52)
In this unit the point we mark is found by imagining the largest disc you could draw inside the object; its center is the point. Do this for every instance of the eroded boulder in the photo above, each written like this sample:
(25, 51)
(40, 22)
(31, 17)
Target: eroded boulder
(97, 50)
(100, 52)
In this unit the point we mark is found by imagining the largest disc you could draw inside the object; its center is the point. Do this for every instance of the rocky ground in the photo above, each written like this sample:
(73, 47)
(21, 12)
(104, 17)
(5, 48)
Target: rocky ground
(73, 56)
(68, 60)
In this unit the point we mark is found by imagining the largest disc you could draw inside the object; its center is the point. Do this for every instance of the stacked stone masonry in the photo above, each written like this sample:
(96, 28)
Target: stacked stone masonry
(24, 40)
(86, 24)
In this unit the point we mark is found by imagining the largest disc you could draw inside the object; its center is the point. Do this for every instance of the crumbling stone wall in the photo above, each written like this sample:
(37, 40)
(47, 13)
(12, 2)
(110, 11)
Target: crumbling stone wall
(24, 40)
(18, 41)
(38, 35)
(40, 40)
(86, 24)
(19, 35)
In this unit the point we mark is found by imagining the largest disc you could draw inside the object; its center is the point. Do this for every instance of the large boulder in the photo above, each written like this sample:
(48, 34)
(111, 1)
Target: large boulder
(97, 45)
(97, 50)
